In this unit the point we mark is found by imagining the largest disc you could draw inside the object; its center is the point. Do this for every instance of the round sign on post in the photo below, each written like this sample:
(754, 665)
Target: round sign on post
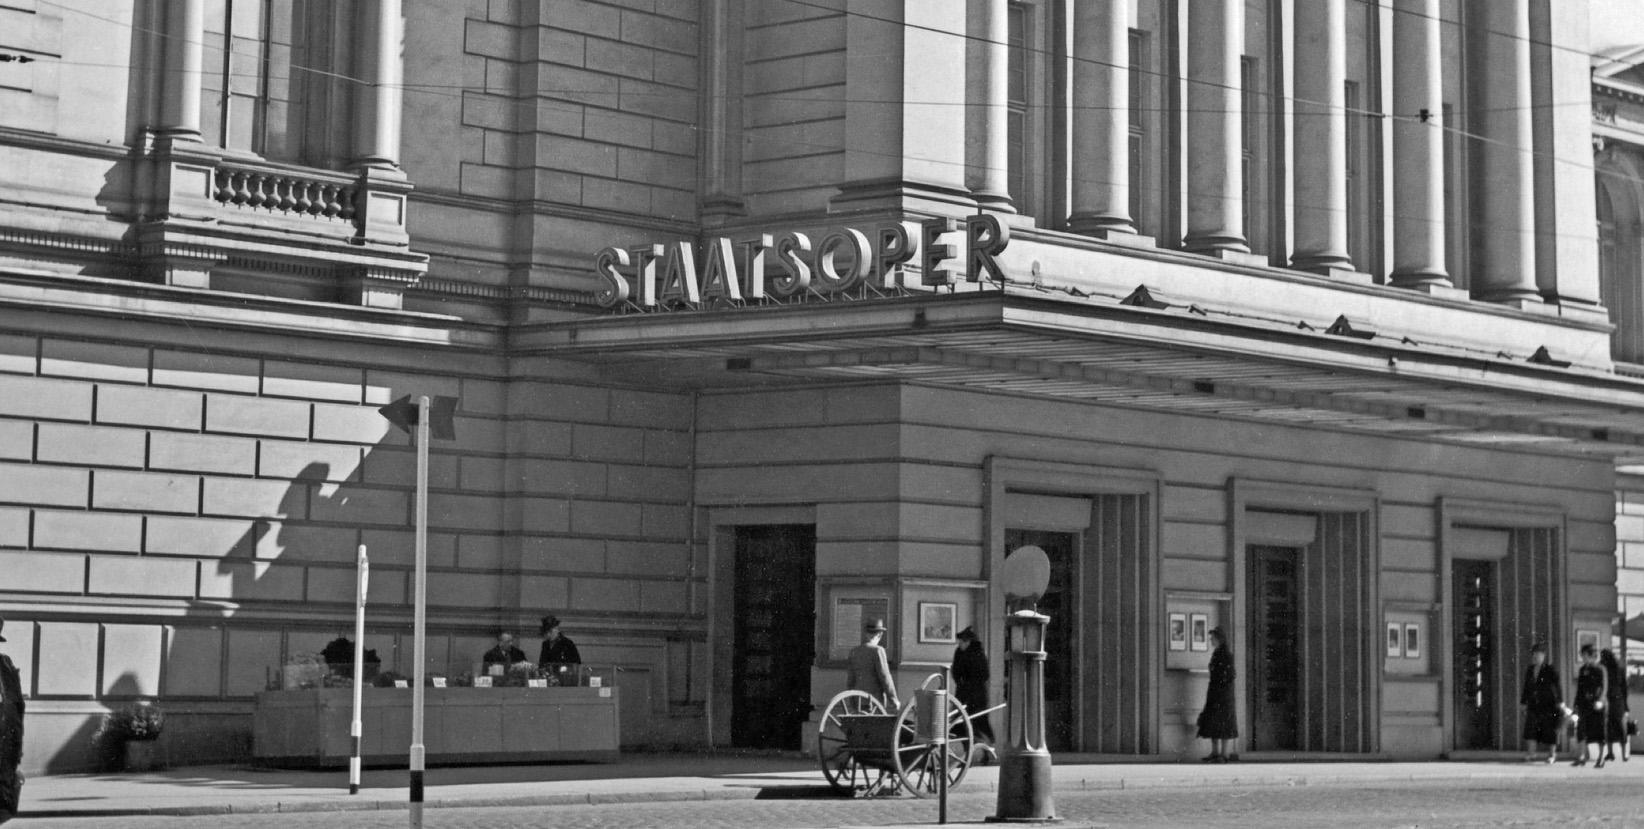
(1025, 573)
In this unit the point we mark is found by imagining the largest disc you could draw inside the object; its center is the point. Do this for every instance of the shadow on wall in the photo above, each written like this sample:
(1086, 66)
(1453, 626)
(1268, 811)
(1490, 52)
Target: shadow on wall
(274, 595)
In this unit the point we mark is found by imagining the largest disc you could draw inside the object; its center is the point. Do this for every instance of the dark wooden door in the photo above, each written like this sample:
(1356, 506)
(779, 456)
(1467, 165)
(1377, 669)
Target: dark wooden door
(775, 635)
(1059, 603)
(1473, 588)
(1275, 641)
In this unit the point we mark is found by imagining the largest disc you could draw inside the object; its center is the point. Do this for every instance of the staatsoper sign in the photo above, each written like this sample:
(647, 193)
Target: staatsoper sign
(784, 265)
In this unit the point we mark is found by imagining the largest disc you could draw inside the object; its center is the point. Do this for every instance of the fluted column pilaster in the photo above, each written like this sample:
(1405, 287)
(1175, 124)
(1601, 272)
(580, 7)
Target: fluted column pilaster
(1215, 176)
(377, 110)
(1101, 122)
(1507, 271)
(1321, 136)
(184, 62)
(987, 121)
(1418, 146)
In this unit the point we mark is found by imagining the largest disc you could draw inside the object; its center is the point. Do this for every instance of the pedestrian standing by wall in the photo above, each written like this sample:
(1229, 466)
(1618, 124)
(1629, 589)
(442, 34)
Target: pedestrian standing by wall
(970, 682)
(1542, 696)
(1615, 706)
(1219, 721)
(1592, 687)
(11, 734)
(870, 669)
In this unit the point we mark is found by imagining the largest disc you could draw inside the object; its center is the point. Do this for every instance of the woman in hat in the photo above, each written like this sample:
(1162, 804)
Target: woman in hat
(1591, 693)
(870, 669)
(1543, 699)
(970, 681)
(1219, 721)
(557, 649)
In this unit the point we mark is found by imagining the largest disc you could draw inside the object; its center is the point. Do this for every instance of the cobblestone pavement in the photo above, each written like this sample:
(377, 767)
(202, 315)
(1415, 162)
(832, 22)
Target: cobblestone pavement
(1588, 804)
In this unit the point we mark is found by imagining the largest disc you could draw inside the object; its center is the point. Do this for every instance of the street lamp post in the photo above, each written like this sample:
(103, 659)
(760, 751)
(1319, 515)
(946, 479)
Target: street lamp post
(1024, 763)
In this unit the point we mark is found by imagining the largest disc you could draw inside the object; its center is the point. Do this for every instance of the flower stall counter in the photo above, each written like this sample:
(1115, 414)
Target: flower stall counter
(309, 727)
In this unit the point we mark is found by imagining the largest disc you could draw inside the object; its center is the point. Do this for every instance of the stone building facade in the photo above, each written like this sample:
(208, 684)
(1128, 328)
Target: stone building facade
(1283, 317)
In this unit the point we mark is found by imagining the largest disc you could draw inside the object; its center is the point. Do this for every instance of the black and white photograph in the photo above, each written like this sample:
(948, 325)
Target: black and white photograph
(797, 414)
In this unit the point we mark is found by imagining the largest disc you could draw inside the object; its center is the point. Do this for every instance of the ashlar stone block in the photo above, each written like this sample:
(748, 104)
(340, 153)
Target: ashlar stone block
(29, 572)
(94, 531)
(145, 576)
(131, 659)
(202, 453)
(143, 406)
(101, 361)
(22, 483)
(91, 445)
(39, 397)
(145, 491)
(232, 414)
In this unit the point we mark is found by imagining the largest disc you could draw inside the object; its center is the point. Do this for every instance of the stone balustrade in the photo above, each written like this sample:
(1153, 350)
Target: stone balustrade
(282, 192)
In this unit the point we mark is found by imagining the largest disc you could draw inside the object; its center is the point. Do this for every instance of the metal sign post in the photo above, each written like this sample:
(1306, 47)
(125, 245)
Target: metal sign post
(422, 415)
(363, 567)
(419, 625)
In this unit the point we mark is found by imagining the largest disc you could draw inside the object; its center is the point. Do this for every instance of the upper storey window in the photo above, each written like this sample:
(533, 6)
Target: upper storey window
(276, 80)
(245, 94)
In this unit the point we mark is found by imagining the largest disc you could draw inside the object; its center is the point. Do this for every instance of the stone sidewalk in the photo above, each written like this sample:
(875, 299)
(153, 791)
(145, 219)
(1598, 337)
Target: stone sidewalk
(210, 790)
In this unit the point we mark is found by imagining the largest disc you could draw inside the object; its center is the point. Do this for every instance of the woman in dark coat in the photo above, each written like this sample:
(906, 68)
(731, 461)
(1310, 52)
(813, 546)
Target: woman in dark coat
(1543, 701)
(1615, 708)
(1219, 722)
(1591, 690)
(970, 682)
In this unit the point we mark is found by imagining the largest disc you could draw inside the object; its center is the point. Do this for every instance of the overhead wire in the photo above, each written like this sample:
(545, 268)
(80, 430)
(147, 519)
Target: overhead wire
(460, 91)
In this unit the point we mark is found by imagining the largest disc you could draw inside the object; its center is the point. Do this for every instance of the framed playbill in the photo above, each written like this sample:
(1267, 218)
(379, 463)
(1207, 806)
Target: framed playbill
(936, 621)
(1178, 631)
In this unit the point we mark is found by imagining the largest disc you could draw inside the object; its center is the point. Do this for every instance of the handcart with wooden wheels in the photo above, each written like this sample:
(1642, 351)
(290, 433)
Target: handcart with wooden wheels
(866, 750)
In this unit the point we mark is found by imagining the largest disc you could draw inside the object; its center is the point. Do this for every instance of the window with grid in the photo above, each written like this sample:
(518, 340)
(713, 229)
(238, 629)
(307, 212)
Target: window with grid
(1138, 128)
(268, 65)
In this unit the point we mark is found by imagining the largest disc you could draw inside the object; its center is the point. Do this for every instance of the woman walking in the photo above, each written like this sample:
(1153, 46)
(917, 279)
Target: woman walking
(1592, 687)
(1615, 708)
(1219, 722)
(1543, 700)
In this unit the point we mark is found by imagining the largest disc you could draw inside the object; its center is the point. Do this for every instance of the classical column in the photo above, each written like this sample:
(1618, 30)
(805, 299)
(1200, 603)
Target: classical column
(184, 58)
(377, 109)
(1215, 176)
(987, 118)
(1507, 272)
(1321, 137)
(1101, 117)
(1418, 146)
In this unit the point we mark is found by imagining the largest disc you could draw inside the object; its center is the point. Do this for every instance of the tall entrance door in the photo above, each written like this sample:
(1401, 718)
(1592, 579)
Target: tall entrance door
(1275, 642)
(1473, 618)
(775, 635)
(1060, 603)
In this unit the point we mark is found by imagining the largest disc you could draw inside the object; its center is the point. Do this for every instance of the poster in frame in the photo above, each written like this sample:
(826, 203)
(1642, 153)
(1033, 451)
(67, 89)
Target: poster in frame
(1178, 631)
(937, 622)
(1395, 640)
(1200, 632)
(1585, 638)
(1412, 640)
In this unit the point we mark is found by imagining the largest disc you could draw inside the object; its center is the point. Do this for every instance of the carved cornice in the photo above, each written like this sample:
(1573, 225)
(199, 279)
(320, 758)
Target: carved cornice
(451, 287)
(44, 240)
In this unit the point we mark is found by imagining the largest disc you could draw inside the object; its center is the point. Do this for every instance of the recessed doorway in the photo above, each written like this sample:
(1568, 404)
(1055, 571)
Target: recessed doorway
(774, 634)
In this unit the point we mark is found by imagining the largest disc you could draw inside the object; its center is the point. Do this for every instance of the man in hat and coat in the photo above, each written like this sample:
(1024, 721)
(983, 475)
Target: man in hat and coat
(11, 734)
(870, 669)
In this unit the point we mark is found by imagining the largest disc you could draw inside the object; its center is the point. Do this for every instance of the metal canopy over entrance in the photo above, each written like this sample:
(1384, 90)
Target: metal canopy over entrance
(1122, 356)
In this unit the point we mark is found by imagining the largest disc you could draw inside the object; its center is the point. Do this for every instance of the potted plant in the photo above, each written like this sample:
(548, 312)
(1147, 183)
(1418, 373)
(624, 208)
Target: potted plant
(135, 728)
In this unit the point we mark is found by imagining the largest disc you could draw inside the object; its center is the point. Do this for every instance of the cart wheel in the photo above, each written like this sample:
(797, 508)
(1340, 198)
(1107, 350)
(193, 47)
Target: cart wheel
(844, 773)
(916, 760)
